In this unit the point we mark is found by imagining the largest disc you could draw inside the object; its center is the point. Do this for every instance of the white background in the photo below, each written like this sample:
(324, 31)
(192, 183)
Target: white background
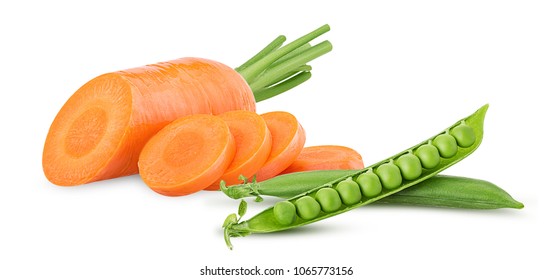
(400, 72)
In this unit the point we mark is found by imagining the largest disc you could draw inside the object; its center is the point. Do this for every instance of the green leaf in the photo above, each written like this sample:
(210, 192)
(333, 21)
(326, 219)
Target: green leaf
(231, 219)
(242, 208)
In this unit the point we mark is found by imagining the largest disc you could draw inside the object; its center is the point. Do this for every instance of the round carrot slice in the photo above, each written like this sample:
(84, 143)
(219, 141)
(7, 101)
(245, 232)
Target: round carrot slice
(253, 145)
(326, 157)
(187, 155)
(288, 139)
(84, 135)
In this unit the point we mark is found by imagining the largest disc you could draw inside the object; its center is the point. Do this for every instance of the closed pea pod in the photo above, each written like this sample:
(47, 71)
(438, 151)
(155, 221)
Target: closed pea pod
(369, 183)
(446, 144)
(349, 191)
(329, 199)
(410, 166)
(390, 175)
(308, 208)
(438, 191)
(285, 212)
(429, 156)
(265, 221)
(464, 135)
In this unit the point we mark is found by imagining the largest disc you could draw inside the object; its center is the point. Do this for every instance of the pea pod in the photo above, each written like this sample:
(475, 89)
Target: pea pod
(265, 221)
(455, 192)
(286, 185)
(438, 191)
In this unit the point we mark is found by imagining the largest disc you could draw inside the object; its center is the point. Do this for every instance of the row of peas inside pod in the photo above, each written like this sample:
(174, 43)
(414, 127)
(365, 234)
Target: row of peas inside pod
(389, 175)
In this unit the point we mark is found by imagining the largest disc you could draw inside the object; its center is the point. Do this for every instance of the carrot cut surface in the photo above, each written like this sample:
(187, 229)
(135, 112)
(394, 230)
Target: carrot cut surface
(99, 132)
(253, 146)
(326, 157)
(288, 140)
(187, 155)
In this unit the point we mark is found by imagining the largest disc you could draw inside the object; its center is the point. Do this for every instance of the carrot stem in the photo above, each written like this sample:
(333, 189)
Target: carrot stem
(286, 85)
(276, 69)
(288, 65)
(275, 44)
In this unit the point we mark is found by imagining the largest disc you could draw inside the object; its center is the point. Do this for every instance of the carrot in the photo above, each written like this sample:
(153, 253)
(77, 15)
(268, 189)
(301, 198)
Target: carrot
(326, 157)
(253, 146)
(99, 132)
(187, 155)
(288, 140)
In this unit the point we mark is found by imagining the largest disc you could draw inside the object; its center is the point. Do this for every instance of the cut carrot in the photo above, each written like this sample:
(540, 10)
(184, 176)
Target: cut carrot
(288, 140)
(99, 132)
(187, 155)
(326, 157)
(253, 146)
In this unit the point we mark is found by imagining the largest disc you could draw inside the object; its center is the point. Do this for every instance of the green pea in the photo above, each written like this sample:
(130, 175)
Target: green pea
(308, 208)
(410, 166)
(446, 144)
(390, 175)
(369, 183)
(284, 212)
(428, 155)
(349, 192)
(329, 199)
(464, 135)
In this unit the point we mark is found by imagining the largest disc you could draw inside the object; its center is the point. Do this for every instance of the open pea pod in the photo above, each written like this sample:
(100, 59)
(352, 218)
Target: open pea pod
(367, 185)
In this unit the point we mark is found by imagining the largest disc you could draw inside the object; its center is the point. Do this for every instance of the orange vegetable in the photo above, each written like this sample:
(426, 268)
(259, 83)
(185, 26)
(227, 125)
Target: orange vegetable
(100, 131)
(327, 157)
(253, 145)
(187, 155)
(288, 140)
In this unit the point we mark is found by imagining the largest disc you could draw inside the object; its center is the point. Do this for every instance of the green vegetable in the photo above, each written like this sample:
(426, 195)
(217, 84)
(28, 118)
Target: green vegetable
(265, 221)
(429, 155)
(369, 183)
(440, 190)
(464, 135)
(390, 175)
(286, 185)
(285, 212)
(410, 166)
(349, 191)
(329, 199)
(455, 192)
(446, 144)
(307, 207)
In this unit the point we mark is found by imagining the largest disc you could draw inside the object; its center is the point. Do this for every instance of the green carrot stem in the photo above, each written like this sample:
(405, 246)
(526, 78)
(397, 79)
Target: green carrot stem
(269, 75)
(292, 54)
(287, 75)
(275, 44)
(286, 85)
(251, 72)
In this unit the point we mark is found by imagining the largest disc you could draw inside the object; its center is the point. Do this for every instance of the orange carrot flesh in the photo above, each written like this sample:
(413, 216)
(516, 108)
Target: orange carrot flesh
(253, 146)
(99, 132)
(187, 155)
(288, 140)
(326, 157)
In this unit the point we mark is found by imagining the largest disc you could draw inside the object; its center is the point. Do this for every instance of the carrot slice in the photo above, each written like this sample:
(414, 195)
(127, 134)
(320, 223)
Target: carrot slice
(253, 146)
(326, 157)
(288, 139)
(99, 132)
(187, 155)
